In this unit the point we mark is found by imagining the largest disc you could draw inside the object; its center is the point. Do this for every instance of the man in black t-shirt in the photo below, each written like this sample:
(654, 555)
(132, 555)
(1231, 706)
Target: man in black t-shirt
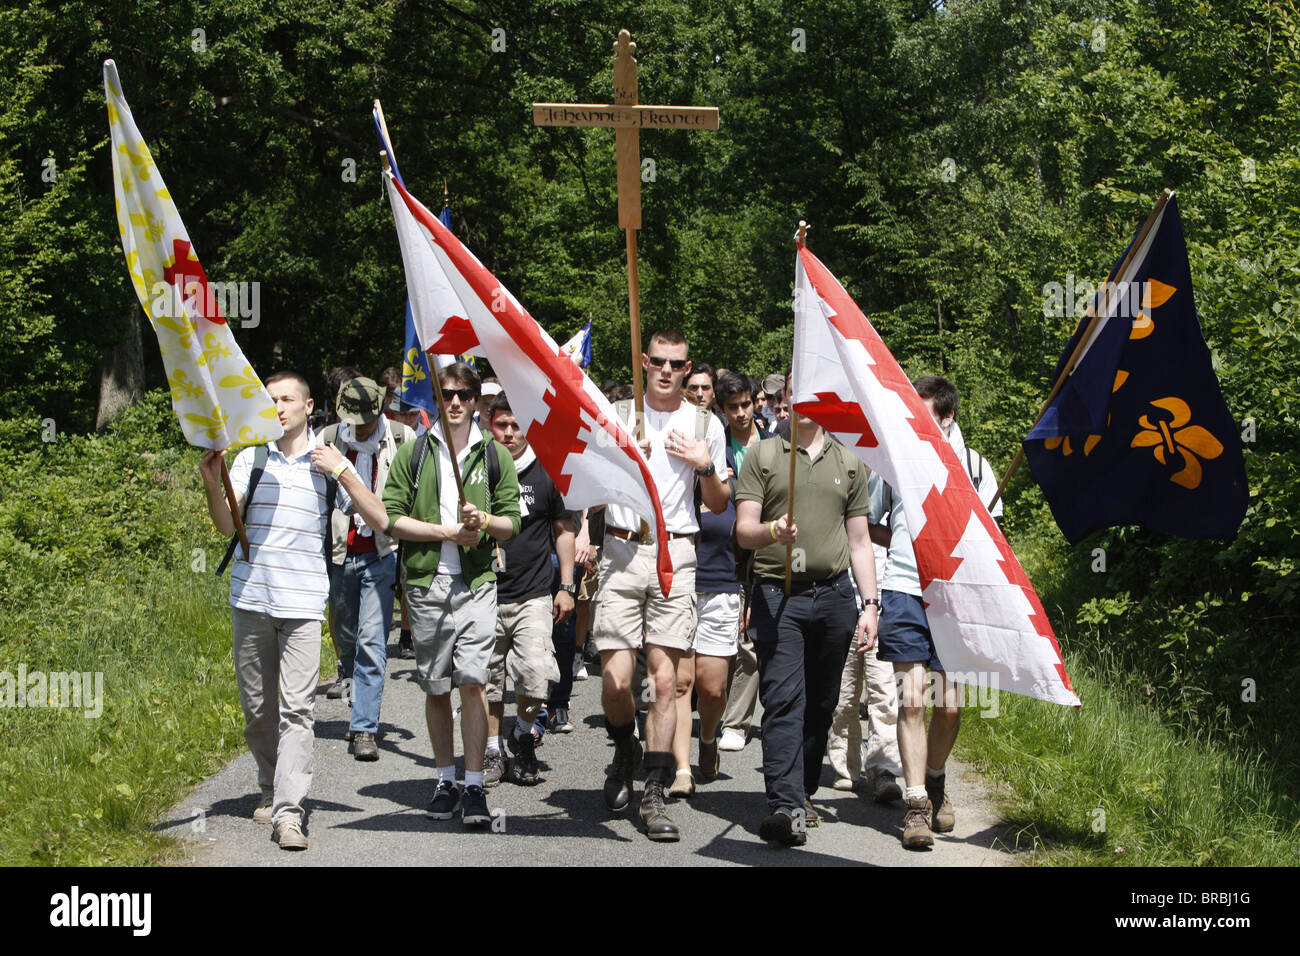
(525, 610)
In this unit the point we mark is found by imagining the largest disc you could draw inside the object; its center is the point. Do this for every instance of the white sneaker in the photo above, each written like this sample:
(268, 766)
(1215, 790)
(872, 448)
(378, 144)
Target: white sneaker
(732, 740)
(579, 667)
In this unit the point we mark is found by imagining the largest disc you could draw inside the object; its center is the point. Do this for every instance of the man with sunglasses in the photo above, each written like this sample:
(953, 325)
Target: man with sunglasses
(451, 578)
(629, 602)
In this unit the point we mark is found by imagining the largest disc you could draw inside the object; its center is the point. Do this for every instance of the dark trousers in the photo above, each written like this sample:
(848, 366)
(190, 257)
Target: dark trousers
(801, 642)
(565, 638)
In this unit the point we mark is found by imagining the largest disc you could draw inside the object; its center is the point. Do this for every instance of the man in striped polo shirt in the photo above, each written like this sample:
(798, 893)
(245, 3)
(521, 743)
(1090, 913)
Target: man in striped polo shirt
(278, 595)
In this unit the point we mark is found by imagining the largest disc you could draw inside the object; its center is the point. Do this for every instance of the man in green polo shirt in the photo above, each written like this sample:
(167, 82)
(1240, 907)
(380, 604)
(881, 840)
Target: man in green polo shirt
(801, 639)
(450, 580)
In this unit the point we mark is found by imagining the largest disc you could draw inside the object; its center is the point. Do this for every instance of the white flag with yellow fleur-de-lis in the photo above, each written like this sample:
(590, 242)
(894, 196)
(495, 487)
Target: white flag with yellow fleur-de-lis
(217, 396)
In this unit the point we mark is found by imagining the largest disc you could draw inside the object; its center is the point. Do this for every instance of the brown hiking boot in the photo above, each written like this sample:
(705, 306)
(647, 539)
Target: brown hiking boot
(944, 819)
(916, 825)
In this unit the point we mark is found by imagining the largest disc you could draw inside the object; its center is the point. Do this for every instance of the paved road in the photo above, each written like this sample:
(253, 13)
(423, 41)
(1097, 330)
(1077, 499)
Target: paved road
(362, 814)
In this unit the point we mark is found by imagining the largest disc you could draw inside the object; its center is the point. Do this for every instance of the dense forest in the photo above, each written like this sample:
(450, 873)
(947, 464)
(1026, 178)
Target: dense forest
(953, 159)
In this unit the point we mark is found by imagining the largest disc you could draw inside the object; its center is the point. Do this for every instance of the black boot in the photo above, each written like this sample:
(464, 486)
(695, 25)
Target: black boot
(654, 816)
(619, 774)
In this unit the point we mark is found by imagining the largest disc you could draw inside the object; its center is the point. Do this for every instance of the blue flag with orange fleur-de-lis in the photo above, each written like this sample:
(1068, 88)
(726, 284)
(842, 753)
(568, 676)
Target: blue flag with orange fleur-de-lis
(1139, 434)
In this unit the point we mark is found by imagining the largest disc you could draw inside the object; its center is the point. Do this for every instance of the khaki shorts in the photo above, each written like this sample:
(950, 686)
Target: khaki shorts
(524, 650)
(629, 601)
(452, 629)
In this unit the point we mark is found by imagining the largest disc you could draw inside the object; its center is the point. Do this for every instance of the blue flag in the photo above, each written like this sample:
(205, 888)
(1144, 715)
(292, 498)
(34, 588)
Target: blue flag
(1140, 434)
(417, 388)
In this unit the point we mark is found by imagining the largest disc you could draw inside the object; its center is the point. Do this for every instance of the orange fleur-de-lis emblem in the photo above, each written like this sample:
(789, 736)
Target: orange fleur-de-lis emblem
(1174, 436)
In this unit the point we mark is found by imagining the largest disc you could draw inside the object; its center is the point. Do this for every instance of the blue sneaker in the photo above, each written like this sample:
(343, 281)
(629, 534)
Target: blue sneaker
(474, 809)
(445, 801)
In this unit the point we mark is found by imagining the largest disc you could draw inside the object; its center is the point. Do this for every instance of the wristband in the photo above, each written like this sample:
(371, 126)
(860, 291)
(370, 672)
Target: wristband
(342, 467)
(772, 528)
(486, 518)
(875, 601)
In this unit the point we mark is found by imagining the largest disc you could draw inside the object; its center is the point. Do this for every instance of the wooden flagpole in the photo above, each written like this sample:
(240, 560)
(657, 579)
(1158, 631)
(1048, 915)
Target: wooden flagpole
(437, 381)
(234, 506)
(1106, 289)
(794, 441)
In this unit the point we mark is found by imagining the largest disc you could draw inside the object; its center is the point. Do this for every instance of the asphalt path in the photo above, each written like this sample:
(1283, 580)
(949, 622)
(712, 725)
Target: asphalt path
(365, 814)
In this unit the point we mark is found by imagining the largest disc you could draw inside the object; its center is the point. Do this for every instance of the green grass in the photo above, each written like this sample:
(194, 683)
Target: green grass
(1123, 780)
(99, 573)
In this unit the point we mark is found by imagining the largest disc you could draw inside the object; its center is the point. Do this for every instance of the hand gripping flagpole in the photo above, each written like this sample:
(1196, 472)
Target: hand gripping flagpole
(800, 238)
(234, 506)
(1096, 317)
(437, 383)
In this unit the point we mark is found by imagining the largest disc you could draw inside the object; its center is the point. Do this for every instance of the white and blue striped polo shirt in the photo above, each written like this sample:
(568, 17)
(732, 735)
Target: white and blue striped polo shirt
(287, 523)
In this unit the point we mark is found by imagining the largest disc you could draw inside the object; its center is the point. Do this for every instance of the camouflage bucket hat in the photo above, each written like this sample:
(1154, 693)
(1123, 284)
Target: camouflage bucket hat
(360, 401)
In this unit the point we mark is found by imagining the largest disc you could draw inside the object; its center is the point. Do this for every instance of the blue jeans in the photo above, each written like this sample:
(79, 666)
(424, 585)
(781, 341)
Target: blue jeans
(362, 591)
(800, 642)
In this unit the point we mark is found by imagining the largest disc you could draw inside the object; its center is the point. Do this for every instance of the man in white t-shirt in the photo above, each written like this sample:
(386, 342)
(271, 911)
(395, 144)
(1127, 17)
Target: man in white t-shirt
(629, 602)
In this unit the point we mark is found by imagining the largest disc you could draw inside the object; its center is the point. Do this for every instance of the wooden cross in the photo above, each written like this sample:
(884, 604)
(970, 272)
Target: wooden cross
(628, 118)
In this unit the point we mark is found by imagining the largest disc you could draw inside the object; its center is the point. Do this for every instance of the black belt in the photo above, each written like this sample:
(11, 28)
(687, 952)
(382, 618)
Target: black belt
(635, 536)
(803, 587)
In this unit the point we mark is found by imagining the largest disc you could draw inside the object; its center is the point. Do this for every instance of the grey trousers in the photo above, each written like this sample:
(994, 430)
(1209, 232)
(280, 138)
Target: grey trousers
(277, 664)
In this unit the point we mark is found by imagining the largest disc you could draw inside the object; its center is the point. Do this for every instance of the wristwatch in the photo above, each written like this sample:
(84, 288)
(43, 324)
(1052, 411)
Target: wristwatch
(875, 601)
(569, 587)
(707, 472)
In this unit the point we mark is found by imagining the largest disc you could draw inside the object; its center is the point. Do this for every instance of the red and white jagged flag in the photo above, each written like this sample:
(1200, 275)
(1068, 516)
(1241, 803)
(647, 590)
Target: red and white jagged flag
(461, 307)
(989, 627)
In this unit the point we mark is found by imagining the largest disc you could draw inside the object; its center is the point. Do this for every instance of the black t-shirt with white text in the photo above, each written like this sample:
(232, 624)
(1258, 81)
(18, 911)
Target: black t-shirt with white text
(528, 572)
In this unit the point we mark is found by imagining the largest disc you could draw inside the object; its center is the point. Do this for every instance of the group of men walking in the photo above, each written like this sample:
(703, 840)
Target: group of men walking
(490, 561)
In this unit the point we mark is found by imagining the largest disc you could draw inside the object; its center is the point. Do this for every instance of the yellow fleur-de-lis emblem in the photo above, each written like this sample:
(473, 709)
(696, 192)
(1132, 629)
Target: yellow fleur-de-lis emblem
(212, 427)
(153, 228)
(1175, 436)
(140, 159)
(1154, 294)
(246, 381)
(181, 386)
(271, 413)
(411, 370)
(213, 349)
(182, 325)
(1089, 443)
(249, 437)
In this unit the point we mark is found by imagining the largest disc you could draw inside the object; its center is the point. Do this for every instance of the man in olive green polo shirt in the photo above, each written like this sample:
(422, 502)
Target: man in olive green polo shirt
(801, 639)
(450, 581)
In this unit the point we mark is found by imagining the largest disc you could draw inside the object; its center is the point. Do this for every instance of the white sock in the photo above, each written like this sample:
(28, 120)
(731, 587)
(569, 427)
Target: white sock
(493, 745)
(915, 793)
(473, 778)
(932, 774)
(447, 773)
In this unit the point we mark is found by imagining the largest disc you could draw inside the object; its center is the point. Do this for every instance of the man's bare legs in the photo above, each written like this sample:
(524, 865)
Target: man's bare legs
(682, 730)
(473, 727)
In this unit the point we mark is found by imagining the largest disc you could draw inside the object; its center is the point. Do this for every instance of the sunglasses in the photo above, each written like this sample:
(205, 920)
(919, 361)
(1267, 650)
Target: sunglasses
(658, 362)
(466, 395)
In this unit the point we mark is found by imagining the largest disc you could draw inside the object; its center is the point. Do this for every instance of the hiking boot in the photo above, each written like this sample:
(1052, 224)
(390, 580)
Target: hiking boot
(884, 788)
(654, 817)
(364, 746)
(779, 828)
(473, 808)
(916, 825)
(683, 785)
(810, 815)
(445, 801)
(263, 812)
(526, 771)
(406, 647)
(494, 768)
(339, 689)
(618, 777)
(288, 833)
(944, 819)
(560, 722)
(709, 760)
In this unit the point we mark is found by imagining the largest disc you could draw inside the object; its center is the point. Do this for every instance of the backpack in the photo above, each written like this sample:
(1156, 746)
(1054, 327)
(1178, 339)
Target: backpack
(260, 454)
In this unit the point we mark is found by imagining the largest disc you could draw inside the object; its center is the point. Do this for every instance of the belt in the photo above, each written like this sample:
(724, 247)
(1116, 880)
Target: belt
(635, 536)
(802, 587)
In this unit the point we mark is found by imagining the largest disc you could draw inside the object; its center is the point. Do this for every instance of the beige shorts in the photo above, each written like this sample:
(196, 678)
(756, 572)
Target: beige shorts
(451, 627)
(629, 601)
(524, 650)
